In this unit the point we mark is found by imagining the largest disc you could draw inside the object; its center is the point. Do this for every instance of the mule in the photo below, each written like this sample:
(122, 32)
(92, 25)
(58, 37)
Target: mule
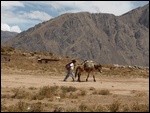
(89, 67)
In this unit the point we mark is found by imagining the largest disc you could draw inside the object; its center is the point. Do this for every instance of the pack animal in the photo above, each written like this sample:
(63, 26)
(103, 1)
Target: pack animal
(89, 67)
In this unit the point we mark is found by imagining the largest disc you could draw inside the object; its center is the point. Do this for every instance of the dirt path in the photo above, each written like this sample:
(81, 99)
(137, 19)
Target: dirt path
(116, 85)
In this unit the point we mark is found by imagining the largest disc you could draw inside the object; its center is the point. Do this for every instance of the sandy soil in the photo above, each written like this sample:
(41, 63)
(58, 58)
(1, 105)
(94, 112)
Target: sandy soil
(126, 89)
(115, 85)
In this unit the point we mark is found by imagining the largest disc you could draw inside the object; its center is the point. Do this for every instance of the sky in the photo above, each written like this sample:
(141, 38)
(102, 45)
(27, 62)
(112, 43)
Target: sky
(18, 16)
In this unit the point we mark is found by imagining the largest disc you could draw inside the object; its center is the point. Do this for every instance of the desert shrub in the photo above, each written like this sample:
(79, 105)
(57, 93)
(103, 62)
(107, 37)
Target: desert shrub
(91, 88)
(5, 96)
(83, 107)
(87, 108)
(96, 108)
(71, 109)
(18, 107)
(66, 89)
(100, 108)
(104, 92)
(3, 107)
(114, 107)
(62, 95)
(25, 107)
(94, 92)
(58, 109)
(20, 93)
(141, 94)
(73, 95)
(138, 93)
(32, 88)
(82, 92)
(37, 97)
(36, 107)
(125, 108)
(48, 91)
(136, 107)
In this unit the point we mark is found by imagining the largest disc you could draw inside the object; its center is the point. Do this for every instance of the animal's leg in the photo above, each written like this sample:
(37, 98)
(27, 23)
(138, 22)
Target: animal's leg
(79, 74)
(87, 76)
(94, 78)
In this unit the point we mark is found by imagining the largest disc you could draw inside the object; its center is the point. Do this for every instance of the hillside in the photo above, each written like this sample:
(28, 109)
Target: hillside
(6, 35)
(104, 38)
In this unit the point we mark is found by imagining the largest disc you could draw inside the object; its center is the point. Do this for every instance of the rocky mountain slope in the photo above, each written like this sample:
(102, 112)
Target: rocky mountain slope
(104, 38)
(6, 35)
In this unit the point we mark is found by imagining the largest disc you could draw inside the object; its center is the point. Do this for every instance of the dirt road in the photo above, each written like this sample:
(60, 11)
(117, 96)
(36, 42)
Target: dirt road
(116, 85)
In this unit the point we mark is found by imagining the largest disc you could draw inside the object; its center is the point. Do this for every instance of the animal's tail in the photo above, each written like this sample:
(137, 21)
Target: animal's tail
(77, 71)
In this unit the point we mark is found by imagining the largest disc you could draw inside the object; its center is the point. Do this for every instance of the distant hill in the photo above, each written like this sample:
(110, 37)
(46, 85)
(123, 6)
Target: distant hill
(6, 35)
(104, 38)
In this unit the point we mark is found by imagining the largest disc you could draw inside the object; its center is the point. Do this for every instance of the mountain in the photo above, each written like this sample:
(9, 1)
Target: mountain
(104, 38)
(6, 35)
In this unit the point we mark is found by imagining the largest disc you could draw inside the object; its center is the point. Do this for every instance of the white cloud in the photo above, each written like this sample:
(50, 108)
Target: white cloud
(6, 27)
(11, 4)
(15, 29)
(113, 7)
(28, 13)
(38, 15)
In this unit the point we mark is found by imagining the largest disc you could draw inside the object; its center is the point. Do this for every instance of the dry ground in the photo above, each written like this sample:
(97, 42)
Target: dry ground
(29, 86)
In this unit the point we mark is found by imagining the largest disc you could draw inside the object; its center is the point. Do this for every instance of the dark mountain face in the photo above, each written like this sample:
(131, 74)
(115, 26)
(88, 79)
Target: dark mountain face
(104, 38)
(6, 35)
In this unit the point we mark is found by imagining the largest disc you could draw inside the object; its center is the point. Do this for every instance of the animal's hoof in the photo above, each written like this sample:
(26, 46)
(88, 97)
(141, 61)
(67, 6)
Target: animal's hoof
(78, 80)
(94, 80)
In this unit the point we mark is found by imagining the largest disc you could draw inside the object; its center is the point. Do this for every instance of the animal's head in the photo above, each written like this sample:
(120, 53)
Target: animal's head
(98, 67)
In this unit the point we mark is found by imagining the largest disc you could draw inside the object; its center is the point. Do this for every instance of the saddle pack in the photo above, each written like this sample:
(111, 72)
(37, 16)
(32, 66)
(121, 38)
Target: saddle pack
(89, 64)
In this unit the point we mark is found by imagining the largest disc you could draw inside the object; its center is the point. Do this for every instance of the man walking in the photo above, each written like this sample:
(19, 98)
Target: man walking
(70, 67)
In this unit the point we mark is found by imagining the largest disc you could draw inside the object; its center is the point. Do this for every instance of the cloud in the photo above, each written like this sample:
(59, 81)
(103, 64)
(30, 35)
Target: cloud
(38, 15)
(9, 4)
(15, 29)
(113, 7)
(6, 27)
(26, 14)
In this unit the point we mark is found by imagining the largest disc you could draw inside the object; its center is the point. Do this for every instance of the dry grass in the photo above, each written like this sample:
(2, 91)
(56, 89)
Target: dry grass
(24, 107)
(72, 94)
(20, 93)
(102, 92)
(116, 106)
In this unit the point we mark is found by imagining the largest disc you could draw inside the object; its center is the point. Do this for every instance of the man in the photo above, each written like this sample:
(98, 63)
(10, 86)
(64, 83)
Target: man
(70, 70)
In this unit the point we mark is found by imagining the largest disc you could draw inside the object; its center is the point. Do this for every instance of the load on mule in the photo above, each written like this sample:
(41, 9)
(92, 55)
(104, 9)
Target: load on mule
(89, 67)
